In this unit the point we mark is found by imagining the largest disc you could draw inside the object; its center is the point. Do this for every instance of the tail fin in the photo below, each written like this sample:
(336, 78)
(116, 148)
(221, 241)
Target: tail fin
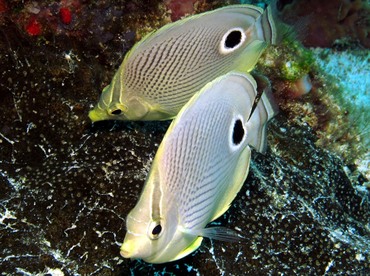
(273, 28)
(264, 108)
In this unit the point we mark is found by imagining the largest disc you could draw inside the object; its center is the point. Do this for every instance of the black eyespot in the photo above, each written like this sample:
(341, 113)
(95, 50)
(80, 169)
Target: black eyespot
(238, 132)
(233, 39)
(157, 230)
(116, 112)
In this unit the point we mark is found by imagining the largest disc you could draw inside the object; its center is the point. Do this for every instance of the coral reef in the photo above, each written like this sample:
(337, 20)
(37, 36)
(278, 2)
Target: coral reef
(66, 186)
(180, 8)
(336, 107)
(345, 75)
(288, 65)
(325, 23)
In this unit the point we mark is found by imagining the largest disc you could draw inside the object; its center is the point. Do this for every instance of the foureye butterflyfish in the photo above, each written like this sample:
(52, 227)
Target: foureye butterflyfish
(167, 67)
(200, 166)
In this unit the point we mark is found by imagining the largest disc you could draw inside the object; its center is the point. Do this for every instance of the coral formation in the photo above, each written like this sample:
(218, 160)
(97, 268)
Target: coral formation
(345, 75)
(288, 65)
(65, 15)
(179, 9)
(33, 27)
(323, 23)
(340, 123)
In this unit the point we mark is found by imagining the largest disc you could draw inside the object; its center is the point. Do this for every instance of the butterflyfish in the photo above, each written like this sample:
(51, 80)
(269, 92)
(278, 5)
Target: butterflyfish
(167, 67)
(200, 166)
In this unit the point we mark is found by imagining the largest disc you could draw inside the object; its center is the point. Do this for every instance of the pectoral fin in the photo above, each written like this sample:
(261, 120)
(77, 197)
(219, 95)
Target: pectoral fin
(263, 110)
(221, 234)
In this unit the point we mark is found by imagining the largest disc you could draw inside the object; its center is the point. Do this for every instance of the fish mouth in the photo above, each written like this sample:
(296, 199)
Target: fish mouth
(94, 116)
(133, 255)
(125, 253)
(128, 254)
(127, 249)
(98, 114)
(132, 248)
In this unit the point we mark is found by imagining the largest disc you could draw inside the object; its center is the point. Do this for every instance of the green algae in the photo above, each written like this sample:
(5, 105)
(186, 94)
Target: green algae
(287, 61)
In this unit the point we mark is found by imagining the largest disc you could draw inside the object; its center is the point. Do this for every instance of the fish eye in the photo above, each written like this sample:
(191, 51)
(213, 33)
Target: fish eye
(155, 230)
(115, 109)
(116, 112)
(232, 40)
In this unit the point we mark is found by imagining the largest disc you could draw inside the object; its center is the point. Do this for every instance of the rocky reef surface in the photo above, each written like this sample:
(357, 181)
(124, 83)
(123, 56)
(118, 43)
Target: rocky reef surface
(66, 185)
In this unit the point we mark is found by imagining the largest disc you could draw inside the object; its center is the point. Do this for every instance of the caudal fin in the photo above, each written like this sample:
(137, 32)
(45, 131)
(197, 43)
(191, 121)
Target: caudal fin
(274, 30)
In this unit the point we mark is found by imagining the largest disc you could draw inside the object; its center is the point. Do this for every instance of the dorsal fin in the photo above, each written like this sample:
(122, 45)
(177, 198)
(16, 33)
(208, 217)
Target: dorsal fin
(263, 109)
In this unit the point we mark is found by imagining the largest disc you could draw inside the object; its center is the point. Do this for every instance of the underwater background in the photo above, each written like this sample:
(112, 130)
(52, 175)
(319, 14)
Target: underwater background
(66, 185)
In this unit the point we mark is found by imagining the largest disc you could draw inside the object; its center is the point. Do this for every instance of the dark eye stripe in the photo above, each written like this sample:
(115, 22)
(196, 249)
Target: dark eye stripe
(156, 200)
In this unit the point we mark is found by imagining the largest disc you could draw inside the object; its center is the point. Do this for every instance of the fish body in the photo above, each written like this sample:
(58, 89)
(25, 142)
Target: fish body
(167, 67)
(199, 167)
